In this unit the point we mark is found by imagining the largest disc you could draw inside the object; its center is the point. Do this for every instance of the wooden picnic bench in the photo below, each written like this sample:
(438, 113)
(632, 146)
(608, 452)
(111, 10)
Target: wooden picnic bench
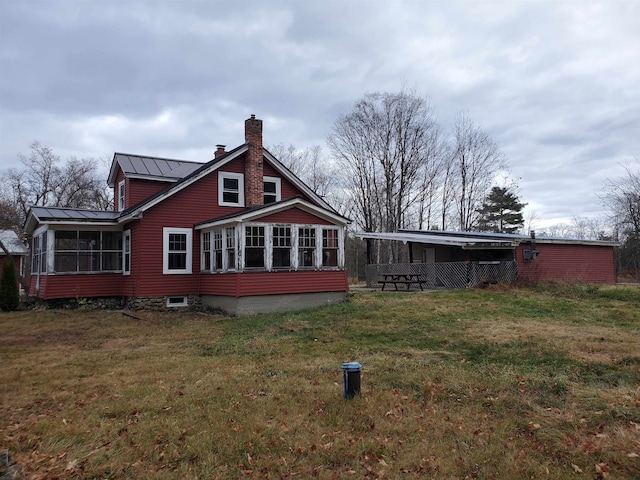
(406, 279)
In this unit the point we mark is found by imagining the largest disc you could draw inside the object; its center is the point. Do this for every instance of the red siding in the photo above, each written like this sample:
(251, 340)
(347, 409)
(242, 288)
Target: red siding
(560, 262)
(81, 285)
(272, 283)
(137, 190)
(294, 215)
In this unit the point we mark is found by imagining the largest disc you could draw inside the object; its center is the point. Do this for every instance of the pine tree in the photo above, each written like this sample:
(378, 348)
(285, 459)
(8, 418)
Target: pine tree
(501, 212)
(9, 290)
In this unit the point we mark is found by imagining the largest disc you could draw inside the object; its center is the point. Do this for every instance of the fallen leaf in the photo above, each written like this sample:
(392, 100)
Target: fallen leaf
(576, 468)
(633, 455)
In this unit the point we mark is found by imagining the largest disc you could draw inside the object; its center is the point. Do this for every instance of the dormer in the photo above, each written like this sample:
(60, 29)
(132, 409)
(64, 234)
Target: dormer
(135, 178)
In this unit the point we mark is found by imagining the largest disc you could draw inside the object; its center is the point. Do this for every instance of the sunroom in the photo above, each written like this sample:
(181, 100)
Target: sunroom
(289, 236)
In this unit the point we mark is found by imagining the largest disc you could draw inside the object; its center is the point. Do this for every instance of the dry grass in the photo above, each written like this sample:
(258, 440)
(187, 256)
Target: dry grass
(471, 384)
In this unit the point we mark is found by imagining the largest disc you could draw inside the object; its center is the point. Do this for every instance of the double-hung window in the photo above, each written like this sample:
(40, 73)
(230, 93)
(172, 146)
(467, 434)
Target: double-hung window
(230, 248)
(230, 189)
(254, 247)
(329, 247)
(176, 250)
(271, 190)
(306, 247)
(281, 249)
(121, 195)
(217, 249)
(126, 252)
(205, 264)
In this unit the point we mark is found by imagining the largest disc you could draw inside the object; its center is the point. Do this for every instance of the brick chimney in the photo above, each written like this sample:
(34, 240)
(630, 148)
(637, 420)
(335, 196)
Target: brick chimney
(253, 181)
(220, 150)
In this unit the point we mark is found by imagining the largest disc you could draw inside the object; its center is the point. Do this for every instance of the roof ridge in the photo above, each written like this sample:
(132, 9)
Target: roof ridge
(155, 157)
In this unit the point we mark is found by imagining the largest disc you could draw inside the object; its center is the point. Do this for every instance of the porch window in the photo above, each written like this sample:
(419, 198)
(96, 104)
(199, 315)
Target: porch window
(87, 251)
(254, 247)
(177, 250)
(205, 264)
(230, 248)
(329, 247)
(39, 253)
(281, 251)
(217, 249)
(306, 247)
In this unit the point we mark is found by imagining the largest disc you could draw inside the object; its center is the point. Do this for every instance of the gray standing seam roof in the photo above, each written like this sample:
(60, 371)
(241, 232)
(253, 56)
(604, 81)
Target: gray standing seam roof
(155, 166)
(57, 213)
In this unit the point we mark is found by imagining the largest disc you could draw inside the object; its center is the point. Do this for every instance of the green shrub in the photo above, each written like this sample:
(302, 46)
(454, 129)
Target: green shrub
(9, 290)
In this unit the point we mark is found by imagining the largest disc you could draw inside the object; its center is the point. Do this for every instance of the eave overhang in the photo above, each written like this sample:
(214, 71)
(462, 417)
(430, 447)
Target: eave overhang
(256, 214)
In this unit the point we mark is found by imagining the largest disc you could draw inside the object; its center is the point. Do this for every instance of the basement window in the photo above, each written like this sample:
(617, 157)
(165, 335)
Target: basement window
(177, 301)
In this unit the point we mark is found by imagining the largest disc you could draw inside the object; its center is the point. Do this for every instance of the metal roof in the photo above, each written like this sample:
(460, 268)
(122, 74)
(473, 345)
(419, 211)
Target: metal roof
(486, 240)
(11, 241)
(78, 214)
(156, 168)
(452, 240)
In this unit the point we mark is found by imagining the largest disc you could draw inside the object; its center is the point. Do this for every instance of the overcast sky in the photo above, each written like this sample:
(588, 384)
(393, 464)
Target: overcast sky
(556, 84)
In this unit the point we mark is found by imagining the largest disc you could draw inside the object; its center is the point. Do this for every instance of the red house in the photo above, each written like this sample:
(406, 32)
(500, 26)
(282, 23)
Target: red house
(239, 233)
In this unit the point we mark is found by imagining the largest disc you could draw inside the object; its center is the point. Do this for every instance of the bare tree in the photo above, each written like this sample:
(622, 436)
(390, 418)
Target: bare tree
(382, 147)
(318, 172)
(46, 181)
(476, 161)
(622, 196)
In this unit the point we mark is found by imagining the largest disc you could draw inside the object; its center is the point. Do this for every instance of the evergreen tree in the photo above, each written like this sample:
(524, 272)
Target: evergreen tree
(501, 212)
(9, 290)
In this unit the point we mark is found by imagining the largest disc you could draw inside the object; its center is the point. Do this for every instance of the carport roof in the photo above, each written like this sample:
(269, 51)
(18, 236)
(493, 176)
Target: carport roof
(475, 240)
(467, 241)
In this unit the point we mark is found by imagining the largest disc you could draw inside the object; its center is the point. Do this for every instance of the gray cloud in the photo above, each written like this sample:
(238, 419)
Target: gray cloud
(556, 85)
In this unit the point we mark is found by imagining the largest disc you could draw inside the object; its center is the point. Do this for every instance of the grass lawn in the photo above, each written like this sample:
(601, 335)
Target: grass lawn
(491, 384)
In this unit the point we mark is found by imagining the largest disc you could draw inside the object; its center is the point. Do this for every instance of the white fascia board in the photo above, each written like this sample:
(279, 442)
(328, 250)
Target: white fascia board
(140, 176)
(55, 224)
(572, 241)
(180, 186)
(276, 208)
(464, 242)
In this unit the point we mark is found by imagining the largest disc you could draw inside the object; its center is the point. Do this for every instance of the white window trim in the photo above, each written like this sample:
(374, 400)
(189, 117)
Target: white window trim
(240, 231)
(165, 250)
(121, 195)
(240, 178)
(278, 183)
(126, 234)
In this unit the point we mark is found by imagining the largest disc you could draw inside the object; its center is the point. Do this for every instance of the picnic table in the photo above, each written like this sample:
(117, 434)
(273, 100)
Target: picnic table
(396, 279)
